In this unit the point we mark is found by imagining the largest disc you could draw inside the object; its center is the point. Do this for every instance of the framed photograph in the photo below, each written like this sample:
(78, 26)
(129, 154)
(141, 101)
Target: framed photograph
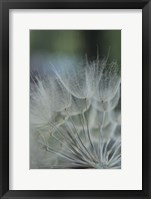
(75, 99)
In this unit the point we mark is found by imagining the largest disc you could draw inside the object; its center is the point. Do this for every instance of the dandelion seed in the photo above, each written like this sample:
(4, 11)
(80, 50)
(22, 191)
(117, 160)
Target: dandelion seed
(107, 105)
(109, 83)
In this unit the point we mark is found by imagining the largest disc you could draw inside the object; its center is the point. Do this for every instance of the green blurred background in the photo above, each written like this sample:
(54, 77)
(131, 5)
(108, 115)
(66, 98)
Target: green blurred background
(77, 43)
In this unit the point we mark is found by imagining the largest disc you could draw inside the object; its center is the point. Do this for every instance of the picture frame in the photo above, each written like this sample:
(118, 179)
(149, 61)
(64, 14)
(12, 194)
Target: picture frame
(5, 6)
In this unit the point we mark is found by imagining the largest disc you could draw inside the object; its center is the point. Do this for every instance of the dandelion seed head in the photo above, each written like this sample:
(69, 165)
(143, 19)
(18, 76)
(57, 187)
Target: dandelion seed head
(75, 113)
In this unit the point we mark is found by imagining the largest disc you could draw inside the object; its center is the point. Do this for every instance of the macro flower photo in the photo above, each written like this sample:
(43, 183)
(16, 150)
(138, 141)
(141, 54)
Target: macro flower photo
(75, 99)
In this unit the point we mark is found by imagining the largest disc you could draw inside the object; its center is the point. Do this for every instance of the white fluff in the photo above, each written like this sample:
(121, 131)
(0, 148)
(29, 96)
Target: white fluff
(75, 111)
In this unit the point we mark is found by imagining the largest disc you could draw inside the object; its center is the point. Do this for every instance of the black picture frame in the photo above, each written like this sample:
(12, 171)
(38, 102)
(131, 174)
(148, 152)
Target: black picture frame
(5, 5)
